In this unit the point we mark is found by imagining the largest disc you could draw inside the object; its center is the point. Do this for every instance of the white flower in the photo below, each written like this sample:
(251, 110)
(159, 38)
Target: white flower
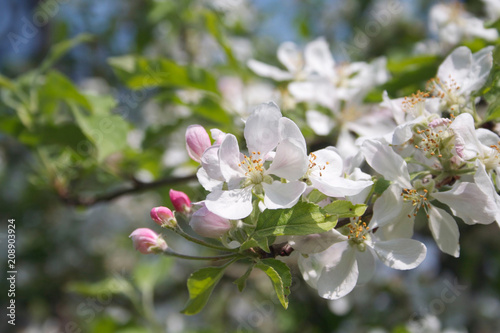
(350, 261)
(326, 173)
(245, 175)
(460, 74)
(492, 9)
(452, 24)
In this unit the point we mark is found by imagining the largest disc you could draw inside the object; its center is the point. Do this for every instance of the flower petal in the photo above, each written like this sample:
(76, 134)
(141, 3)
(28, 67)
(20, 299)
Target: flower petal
(266, 70)
(316, 243)
(290, 161)
(319, 59)
(261, 127)
(445, 231)
(280, 195)
(290, 131)
(233, 204)
(400, 254)
(385, 161)
(319, 122)
(290, 56)
(366, 266)
(340, 275)
(230, 158)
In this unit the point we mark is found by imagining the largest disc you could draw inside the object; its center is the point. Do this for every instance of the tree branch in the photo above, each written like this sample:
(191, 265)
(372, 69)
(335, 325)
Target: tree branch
(137, 187)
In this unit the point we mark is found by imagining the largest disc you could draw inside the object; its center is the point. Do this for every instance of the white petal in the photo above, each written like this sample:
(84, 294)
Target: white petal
(469, 201)
(261, 132)
(230, 158)
(319, 122)
(483, 180)
(289, 130)
(290, 56)
(387, 209)
(445, 231)
(290, 161)
(211, 164)
(339, 186)
(463, 127)
(233, 204)
(319, 59)
(366, 266)
(207, 182)
(340, 275)
(400, 253)
(385, 161)
(316, 243)
(266, 70)
(280, 195)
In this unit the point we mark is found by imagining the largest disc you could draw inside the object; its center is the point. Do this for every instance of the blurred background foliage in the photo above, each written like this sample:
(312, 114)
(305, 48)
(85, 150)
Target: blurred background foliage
(95, 99)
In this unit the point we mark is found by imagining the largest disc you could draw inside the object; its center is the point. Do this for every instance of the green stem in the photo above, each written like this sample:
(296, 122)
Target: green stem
(184, 256)
(201, 242)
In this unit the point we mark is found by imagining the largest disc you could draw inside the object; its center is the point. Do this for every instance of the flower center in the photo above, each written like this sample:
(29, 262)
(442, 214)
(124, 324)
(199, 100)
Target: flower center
(418, 200)
(435, 139)
(449, 92)
(358, 233)
(415, 104)
(491, 159)
(313, 166)
(254, 168)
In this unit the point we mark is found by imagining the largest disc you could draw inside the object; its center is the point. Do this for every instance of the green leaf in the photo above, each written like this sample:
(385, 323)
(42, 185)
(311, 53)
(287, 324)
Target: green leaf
(142, 73)
(107, 132)
(280, 276)
(60, 49)
(242, 280)
(316, 196)
(59, 88)
(493, 112)
(200, 285)
(303, 219)
(344, 208)
(263, 243)
(381, 185)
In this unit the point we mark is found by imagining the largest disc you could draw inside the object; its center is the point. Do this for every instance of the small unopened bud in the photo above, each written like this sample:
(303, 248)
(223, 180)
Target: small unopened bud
(181, 201)
(197, 140)
(163, 217)
(208, 224)
(147, 241)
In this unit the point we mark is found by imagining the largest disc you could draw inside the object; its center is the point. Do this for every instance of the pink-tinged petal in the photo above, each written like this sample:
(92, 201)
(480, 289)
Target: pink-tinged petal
(290, 161)
(163, 216)
(197, 140)
(230, 159)
(280, 195)
(465, 131)
(180, 201)
(266, 70)
(290, 131)
(233, 204)
(208, 182)
(340, 275)
(261, 128)
(208, 224)
(445, 231)
(147, 241)
(400, 254)
(290, 56)
(210, 162)
(385, 161)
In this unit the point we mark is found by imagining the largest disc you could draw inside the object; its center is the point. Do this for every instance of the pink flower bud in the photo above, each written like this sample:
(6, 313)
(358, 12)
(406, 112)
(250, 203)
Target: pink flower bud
(180, 200)
(163, 217)
(207, 224)
(147, 241)
(197, 140)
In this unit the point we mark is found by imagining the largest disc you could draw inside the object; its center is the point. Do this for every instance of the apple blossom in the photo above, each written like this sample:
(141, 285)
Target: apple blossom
(147, 241)
(163, 217)
(180, 200)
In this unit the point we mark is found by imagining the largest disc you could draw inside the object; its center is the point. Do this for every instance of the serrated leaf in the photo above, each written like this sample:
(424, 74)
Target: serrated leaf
(302, 219)
(344, 208)
(200, 285)
(242, 280)
(280, 276)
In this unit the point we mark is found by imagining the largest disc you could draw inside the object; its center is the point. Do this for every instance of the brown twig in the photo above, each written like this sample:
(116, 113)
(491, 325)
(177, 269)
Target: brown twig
(137, 187)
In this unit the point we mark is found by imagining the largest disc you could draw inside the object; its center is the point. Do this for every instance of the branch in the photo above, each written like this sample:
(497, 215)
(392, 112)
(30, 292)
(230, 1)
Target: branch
(137, 187)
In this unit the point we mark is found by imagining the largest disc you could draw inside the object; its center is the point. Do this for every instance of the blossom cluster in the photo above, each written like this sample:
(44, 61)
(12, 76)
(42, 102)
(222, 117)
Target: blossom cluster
(421, 157)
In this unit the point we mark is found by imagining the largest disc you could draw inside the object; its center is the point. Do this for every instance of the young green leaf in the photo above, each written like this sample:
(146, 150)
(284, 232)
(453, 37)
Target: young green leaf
(200, 286)
(302, 219)
(280, 276)
(242, 280)
(344, 208)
